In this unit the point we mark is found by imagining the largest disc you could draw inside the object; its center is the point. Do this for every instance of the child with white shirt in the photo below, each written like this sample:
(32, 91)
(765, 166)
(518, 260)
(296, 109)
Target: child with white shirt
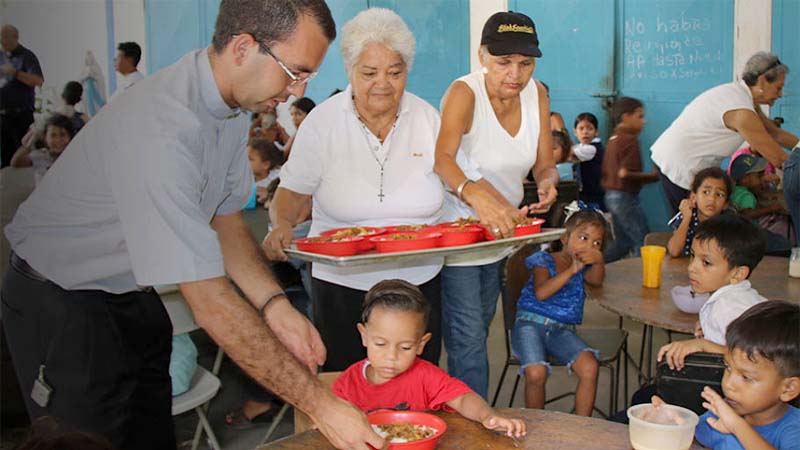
(589, 151)
(265, 159)
(725, 251)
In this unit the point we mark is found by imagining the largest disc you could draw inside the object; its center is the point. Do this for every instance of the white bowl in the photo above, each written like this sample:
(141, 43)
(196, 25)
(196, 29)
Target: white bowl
(686, 300)
(646, 435)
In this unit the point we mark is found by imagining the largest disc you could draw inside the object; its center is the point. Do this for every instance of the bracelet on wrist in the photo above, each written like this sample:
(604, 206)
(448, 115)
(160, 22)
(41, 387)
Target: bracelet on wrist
(269, 300)
(460, 190)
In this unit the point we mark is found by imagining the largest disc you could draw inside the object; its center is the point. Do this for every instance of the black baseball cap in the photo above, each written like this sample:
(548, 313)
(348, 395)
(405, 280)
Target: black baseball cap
(744, 164)
(507, 33)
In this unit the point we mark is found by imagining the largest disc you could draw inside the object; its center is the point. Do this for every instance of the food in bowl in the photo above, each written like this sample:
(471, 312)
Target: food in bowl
(365, 232)
(466, 221)
(401, 228)
(667, 427)
(401, 242)
(687, 300)
(403, 431)
(415, 418)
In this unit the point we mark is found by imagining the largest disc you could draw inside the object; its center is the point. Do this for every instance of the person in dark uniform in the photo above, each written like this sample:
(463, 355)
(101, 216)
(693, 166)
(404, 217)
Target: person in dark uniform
(20, 73)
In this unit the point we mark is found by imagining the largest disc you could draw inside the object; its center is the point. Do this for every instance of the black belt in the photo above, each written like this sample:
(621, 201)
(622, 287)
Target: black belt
(24, 268)
(4, 111)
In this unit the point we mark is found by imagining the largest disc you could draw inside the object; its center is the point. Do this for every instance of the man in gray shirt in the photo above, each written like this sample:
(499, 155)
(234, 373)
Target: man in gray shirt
(150, 193)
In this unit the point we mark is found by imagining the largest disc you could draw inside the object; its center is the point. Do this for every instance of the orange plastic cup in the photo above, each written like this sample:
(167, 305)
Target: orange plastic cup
(652, 257)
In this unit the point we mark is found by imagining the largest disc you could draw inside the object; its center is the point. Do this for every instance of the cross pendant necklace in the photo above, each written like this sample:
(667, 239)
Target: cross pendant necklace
(374, 150)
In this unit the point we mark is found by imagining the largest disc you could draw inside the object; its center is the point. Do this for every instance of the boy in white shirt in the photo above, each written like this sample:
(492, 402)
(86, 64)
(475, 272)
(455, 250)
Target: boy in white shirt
(725, 251)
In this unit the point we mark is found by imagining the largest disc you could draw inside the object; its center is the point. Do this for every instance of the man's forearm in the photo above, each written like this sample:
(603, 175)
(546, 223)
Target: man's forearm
(245, 262)
(236, 327)
(30, 79)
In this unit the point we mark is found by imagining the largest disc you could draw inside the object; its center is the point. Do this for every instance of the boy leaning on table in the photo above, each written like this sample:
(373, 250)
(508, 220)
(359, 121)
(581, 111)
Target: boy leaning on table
(393, 331)
(725, 251)
(762, 378)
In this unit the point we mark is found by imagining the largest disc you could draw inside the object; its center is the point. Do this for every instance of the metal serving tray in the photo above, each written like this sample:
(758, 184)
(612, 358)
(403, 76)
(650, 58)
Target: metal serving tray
(372, 257)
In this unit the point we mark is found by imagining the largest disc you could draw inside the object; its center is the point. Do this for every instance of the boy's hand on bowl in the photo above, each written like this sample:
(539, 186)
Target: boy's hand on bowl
(512, 427)
(676, 352)
(727, 420)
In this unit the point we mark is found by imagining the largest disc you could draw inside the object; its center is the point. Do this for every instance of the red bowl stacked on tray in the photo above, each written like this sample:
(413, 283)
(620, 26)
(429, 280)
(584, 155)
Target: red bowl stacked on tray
(530, 226)
(365, 232)
(325, 245)
(417, 418)
(406, 241)
(454, 234)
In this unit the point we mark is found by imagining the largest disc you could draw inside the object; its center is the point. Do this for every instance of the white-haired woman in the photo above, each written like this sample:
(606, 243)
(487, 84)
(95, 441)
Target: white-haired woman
(713, 125)
(496, 121)
(366, 157)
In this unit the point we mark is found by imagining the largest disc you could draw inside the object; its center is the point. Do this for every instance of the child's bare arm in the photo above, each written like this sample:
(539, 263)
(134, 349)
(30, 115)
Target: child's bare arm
(597, 272)
(676, 352)
(545, 286)
(678, 239)
(473, 407)
(755, 213)
(730, 422)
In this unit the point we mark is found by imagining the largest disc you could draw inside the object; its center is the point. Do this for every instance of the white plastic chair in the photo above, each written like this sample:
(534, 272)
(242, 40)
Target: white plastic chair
(205, 384)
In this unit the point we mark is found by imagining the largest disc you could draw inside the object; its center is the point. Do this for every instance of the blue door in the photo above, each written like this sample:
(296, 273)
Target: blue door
(662, 52)
(785, 43)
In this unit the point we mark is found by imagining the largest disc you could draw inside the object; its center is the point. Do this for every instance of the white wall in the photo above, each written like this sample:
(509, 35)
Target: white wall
(129, 26)
(752, 31)
(59, 32)
(479, 11)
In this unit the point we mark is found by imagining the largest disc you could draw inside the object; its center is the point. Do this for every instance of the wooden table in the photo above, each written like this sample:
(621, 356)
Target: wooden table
(622, 293)
(547, 430)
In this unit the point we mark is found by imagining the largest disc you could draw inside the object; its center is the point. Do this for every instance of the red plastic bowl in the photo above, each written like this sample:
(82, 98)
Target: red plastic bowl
(421, 241)
(453, 236)
(520, 230)
(344, 247)
(413, 417)
(367, 233)
(417, 228)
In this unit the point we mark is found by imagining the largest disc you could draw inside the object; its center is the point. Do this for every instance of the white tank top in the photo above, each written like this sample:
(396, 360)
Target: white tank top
(488, 151)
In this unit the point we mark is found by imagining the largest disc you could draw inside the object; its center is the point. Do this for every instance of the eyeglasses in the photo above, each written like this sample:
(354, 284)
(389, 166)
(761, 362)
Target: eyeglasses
(297, 79)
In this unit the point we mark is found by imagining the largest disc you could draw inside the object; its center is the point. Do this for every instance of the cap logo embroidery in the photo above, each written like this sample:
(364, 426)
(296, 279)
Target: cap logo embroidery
(506, 28)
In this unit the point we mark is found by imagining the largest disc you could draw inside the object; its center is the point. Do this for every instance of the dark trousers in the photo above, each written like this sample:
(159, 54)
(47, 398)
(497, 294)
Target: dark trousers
(673, 192)
(337, 310)
(13, 126)
(106, 357)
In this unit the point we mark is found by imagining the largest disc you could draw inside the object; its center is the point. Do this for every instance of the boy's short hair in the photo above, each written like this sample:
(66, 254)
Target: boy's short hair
(398, 295)
(625, 105)
(131, 50)
(717, 174)
(60, 121)
(267, 151)
(72, 93)
(587, 116)
(771, 330)
(741, 242)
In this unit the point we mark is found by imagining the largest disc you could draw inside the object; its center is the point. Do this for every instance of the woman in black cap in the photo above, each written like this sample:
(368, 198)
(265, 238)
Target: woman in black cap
(494, 122)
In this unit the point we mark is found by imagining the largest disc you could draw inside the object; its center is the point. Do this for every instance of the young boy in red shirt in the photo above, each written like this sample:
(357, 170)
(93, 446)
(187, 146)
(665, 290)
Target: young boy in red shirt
(393, 331)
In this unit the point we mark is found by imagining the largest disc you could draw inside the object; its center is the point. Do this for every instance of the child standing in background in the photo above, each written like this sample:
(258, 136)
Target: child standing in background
(566, 169)
(711, 190)
(622, 179)
(265, 159)
(551, 305)
(589, 151)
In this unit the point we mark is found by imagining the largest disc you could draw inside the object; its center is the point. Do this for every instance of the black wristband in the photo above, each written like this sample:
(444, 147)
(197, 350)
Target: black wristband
(269, 300)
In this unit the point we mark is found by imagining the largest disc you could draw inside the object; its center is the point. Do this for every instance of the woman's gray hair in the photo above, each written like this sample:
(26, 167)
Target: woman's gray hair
(763, 63)
(380, 26)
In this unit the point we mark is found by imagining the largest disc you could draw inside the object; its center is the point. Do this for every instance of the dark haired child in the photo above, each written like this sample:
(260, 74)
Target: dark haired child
(725, 251)
(265, 160)
(589, 151)
(551, 305)
(392, 376)
(567, 171)
(710, 192)
(58, 133)
(762, 376)
(623, 179)
(71, 95)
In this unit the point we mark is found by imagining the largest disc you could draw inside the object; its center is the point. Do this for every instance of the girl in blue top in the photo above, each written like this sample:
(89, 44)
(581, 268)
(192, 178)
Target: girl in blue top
(551, 305)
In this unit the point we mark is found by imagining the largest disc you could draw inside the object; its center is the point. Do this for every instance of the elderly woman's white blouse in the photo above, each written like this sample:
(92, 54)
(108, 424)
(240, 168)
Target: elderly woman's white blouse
(334, 160)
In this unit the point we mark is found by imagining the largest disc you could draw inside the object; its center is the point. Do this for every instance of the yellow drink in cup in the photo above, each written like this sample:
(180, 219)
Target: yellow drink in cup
(652, 256)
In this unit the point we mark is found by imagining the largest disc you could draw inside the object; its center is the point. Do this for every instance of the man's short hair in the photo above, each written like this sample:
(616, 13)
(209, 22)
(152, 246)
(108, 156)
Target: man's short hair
(268, 21)
(771, 330)
(131, 50)
(397, 295)
(742, 243)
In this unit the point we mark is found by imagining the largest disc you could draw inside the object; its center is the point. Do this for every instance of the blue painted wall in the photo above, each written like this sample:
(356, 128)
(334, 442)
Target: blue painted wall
(441, 28)
(786, 43)
(663, 52)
